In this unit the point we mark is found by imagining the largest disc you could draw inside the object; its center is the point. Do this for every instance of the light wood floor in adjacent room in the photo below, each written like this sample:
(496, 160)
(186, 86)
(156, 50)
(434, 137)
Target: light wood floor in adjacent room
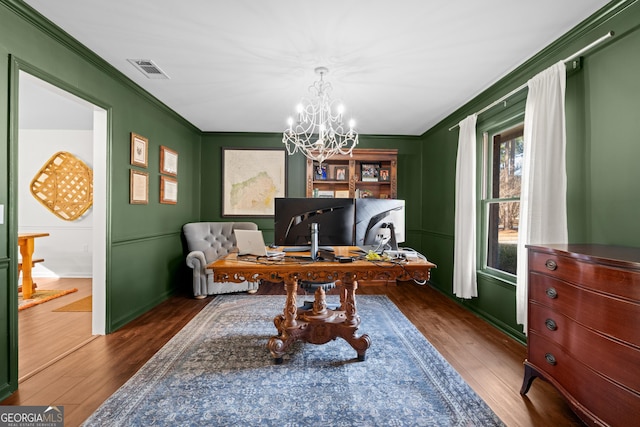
(45, 335)
(487, 359)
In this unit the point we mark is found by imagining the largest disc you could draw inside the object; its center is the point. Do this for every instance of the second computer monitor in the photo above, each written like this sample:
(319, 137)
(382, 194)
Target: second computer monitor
(374, 215)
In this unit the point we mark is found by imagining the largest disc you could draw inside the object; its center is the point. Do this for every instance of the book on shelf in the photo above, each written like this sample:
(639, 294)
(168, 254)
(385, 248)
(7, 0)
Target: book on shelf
(342, 194)
(327, 194)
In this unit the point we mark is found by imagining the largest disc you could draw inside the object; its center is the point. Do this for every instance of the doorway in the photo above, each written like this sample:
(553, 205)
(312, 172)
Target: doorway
(53, 120)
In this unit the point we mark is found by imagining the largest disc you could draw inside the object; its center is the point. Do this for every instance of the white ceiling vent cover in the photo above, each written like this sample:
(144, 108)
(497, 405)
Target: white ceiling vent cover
(148, 68)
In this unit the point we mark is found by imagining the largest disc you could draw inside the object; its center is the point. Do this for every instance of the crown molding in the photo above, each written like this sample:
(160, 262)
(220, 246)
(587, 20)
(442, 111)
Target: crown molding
(547, 56)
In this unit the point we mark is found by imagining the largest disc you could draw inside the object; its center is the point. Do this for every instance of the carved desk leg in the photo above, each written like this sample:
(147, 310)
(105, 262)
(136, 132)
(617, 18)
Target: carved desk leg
(283, 322)
(319, 302)
(291, 308)
(352, 322)
(343, 295)
(319, 325)
(350, 285)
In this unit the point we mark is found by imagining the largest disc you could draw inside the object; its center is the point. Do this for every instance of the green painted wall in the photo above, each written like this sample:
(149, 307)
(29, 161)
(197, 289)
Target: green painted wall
(144, 248)
(612, 138)
(409, 174)
(603, 124)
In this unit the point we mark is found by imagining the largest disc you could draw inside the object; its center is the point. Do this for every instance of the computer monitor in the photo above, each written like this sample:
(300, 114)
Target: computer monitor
(293, 216)
(379, 217)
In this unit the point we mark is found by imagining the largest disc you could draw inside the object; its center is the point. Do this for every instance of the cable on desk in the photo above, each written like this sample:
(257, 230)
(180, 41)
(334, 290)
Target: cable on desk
(401, 262)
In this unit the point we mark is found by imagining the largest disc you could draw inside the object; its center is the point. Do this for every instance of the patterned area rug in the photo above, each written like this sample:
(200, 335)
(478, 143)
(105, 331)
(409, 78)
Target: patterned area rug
(217, 371)
(40, 296)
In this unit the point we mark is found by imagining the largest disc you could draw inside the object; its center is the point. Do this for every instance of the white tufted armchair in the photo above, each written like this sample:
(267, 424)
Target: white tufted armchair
(206, 242)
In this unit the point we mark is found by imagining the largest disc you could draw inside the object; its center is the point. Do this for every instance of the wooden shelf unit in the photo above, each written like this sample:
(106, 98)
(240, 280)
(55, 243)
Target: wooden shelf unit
(343, 175)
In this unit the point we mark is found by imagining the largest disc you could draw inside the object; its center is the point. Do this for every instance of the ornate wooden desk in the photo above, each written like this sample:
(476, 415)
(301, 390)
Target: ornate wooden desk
(318, 325)
(26, 245)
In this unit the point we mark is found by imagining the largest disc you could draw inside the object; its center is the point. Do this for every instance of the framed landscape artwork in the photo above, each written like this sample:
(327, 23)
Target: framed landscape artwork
(251, 180)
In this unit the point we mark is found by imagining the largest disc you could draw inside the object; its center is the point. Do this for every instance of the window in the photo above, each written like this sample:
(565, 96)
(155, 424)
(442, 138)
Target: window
(503, 153)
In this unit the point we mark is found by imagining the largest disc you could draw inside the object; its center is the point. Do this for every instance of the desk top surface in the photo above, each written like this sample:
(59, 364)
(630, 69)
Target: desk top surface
(304, 268)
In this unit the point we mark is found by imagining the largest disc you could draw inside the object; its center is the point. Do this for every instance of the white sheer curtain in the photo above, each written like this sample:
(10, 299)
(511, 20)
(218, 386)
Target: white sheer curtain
(543, 204)
(464, 255)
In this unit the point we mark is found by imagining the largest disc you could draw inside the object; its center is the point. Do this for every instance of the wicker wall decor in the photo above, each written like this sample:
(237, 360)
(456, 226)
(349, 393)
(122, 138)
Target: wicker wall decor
(64, 185)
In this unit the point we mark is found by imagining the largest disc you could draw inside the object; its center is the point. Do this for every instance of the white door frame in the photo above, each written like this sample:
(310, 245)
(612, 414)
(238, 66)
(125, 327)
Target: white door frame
(99, 264)
(100, 185)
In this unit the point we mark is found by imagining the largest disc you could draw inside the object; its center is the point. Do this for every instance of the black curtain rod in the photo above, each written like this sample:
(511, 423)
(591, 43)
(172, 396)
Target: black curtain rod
(519, 88)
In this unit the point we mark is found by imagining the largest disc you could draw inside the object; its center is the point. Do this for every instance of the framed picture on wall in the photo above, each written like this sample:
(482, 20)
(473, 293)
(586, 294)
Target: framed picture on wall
(139, 150)
(168, 161)
(251, 179)
(138, 187)
(168, 190)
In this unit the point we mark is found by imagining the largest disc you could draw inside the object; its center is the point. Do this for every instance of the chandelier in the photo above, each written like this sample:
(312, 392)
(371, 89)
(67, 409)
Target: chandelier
(318, 131)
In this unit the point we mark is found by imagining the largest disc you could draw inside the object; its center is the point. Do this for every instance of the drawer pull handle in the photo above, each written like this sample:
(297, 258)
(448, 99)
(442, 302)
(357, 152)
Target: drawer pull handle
(552, 293)
(551, 359)
(551, 324)
(551, 264)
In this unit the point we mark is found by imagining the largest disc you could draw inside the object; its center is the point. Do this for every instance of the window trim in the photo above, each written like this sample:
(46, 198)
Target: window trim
(488, 131)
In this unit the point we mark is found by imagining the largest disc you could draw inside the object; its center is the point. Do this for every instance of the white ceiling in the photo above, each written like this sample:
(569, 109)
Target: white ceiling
(241, 66)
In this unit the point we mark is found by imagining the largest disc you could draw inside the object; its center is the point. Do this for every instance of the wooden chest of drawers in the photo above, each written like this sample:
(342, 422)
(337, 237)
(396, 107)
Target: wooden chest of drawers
(584, 329)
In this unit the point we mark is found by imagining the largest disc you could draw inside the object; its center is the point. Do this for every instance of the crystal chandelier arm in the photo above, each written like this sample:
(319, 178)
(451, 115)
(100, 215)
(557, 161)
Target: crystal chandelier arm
(319, 133)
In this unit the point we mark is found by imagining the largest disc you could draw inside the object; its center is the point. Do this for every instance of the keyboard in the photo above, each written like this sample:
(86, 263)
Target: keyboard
(272, 254)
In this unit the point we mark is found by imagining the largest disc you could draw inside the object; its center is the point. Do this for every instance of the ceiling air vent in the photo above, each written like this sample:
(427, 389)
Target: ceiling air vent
(148, 68)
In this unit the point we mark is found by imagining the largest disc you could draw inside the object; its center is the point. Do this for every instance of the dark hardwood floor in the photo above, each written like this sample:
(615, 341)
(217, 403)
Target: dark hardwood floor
(488, 360)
